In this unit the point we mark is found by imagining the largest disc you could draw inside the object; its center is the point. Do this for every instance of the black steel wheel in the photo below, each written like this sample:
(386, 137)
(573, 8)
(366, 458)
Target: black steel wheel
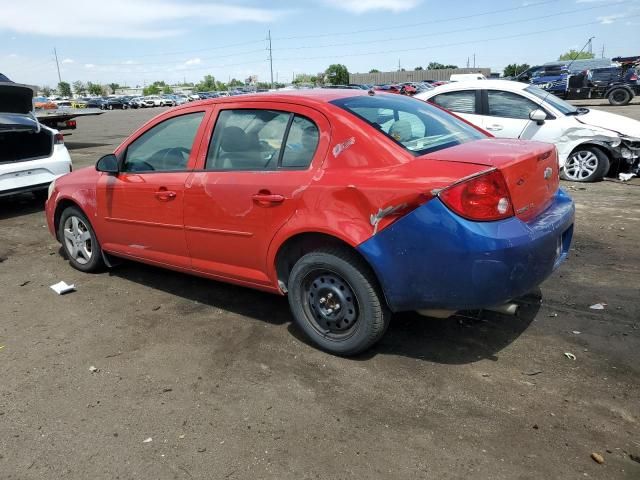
(336, 301)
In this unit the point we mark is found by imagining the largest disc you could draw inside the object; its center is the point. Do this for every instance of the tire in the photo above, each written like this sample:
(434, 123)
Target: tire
(585, 164)
(619, 97)
(336, 301)
(79, 241)
(110, 107)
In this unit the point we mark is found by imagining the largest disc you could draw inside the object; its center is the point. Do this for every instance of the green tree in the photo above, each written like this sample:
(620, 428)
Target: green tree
(114, 87)
(152, 89)
(207, 84)
(374, 70)
(46, 91)
(514, 69)
(337, 74)
(64, 89)
(418, 69)
(575, 55)
(439, 66)
(167, 89)
(79, 87)
(94, 88)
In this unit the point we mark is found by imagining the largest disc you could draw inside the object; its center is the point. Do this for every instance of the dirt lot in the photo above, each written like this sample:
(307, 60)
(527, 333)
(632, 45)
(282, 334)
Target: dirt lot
(223, 384)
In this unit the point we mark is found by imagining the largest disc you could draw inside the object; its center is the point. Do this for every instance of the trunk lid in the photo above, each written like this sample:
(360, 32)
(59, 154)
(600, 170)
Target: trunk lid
(530, 169)
(16, 108)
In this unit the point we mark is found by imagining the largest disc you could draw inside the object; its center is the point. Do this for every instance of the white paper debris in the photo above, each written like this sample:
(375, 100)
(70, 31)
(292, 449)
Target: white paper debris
(570, 355)
(93, 369)
(598, 306)
(576, 332)
(147, 440)
(62, 287)
(625, 177)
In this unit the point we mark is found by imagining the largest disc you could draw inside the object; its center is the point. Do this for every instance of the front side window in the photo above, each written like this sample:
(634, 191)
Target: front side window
(165, 147)
(254, 139)
(509, 105)
(557, 103)
(415, 125)
(460, 102)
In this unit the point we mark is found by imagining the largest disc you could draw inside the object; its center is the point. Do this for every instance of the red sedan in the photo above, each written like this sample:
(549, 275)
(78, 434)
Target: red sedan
(354, 204)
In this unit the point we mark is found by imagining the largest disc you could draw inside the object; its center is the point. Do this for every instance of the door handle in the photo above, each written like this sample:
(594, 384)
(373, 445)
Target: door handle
(267, 199)
(494, 127)
(165, 195)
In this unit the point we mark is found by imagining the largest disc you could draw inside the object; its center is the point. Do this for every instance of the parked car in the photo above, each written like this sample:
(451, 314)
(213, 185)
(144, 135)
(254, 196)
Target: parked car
(97, 102)
(153, 101)
(180, 98)
(116, 103)
(464, 77)
(167, 101)
(354, 205)
(32, 155)
(588, 141)
(137, 102)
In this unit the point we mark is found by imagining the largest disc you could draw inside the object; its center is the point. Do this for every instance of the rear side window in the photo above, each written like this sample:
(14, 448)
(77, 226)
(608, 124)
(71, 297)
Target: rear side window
(460, 102)
(509, 105)
(415, 125)
(255, 139)
(164, 147)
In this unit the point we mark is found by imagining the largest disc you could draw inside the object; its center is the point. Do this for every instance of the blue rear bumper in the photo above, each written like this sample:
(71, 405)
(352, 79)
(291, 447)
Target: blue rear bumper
(434, 259)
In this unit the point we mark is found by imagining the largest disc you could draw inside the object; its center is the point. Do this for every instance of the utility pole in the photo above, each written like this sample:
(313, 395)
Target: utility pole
(467, 62)
(55, 53)
(474, 60)
(270, 58)
(590, 47)
(399, 67)
(602, 50)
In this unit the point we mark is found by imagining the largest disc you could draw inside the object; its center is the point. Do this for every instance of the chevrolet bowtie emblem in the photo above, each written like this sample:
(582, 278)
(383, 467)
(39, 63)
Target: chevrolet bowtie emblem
(547, 173)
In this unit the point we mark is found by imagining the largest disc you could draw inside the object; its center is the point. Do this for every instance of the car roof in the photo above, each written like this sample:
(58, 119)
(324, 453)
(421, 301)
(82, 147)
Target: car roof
(508, 85)
(311, 96)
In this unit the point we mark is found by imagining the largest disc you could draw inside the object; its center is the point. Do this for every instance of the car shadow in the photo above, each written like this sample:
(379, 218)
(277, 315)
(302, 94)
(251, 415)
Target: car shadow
(71, 145)
(464, 338)
(18, 205)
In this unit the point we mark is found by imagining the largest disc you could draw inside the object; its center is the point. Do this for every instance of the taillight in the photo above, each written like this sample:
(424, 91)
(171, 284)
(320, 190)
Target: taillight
(634, 77)
(58, 139)
(483, 198)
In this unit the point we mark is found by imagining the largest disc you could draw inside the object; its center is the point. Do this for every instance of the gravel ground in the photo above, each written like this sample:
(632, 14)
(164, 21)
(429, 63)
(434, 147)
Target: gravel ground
(225, 387)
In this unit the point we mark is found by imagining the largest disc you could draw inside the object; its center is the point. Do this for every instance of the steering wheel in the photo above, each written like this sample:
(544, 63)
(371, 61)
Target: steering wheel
(138, 166)
(174, 151)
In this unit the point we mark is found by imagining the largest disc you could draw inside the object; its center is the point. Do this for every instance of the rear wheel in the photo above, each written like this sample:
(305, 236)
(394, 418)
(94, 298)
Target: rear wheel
(619, 97)
(585, 164)
(336, 301)
(79, 241)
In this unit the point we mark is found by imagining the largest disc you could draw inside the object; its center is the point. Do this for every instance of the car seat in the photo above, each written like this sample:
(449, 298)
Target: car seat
(239, 152)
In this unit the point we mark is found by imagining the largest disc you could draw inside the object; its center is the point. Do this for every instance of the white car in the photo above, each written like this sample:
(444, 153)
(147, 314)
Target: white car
(31, 155)
(153, 101)
(589, 141)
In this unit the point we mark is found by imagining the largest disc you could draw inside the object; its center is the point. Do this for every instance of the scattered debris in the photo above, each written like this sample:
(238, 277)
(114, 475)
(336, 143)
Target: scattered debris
(165, 390)
(485, 375)
(93, 369)
(625, 177)
(1, 347)
(147, 440)
(598, 306)
(532, 372)
(570, 355)
(553, 315)
(25, 283)
(576, 332)
(535, 426)
(155, 309)
(181, 436)
(597, 458)
(62, 287)
(201, 450)
(635, 458)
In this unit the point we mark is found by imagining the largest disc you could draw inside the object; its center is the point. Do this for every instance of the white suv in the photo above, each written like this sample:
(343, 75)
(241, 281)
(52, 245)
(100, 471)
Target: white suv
(31, 155)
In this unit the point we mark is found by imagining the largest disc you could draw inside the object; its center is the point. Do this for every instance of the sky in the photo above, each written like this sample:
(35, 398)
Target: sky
(135, 42)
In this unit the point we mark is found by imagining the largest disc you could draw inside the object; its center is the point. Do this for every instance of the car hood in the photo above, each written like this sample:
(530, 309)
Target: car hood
(16, 107)
(624, 126)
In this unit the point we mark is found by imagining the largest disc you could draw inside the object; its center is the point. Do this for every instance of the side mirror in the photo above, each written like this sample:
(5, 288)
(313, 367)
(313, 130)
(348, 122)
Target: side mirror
(538, 116)
(108, 164)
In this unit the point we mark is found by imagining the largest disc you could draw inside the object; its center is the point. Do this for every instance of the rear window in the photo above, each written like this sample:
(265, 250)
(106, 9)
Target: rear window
(413, 124)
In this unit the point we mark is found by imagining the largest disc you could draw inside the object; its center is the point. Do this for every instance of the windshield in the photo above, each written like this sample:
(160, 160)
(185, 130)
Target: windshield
(552, 100)
(413, 124)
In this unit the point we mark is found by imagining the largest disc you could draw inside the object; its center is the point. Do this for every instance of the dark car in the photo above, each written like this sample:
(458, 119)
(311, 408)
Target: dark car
(117, 103)
(96, 103)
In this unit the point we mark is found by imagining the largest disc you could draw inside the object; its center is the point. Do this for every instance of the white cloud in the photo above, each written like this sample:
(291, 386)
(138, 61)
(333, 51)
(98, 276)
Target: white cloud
(129, 62)
(193, 61)
(362, 6)
(89, 65)
(67, 60)
(13, 55)
(609, 19)
(143, 19)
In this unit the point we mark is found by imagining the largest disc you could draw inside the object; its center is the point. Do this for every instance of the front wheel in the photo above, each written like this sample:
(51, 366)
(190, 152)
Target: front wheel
(586, 164)
(619, 97)
(336, 301)
(79, 241)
